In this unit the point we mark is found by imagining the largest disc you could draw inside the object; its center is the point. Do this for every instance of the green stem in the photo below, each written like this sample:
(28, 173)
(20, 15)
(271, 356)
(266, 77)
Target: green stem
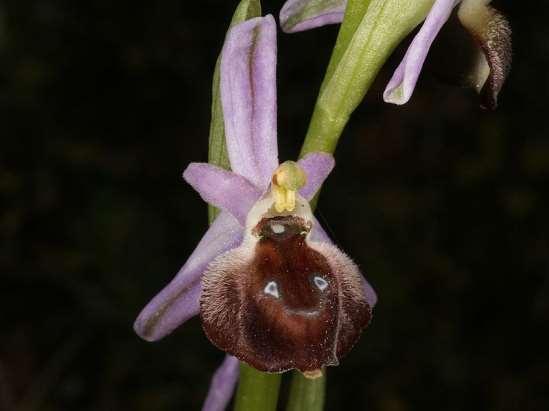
(323, 133)
(257, 391)
(306, 394)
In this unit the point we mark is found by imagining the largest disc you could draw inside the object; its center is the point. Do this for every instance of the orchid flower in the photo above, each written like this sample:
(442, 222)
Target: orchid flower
(270, 287)
(488, 27)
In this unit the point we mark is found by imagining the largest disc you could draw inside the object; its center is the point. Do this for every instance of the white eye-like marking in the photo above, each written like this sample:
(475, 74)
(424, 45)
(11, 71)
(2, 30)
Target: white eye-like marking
(278, 228)
(320, 282)
(272, 289)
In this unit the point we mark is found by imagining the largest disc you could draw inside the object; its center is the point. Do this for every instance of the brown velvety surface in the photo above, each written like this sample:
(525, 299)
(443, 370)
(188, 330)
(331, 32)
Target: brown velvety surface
(286, 305)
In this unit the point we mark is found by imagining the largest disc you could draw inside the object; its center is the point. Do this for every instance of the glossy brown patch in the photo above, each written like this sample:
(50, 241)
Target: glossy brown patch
(281, 305)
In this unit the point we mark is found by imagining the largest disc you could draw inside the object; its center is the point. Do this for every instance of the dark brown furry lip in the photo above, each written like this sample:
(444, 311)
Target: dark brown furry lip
(275, 317)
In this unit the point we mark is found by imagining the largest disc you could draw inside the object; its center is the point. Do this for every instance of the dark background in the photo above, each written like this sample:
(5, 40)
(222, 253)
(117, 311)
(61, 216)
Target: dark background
(103, 104)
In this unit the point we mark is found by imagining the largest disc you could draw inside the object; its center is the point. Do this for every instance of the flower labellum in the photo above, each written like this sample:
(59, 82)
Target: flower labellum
(282, 300)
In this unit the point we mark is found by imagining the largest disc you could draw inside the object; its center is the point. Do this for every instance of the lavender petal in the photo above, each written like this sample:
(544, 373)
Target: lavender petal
(223, 189)
(402, 84)
(300, 15)
(179, 300)
(222, 386)
(317, 167)
(248, 96)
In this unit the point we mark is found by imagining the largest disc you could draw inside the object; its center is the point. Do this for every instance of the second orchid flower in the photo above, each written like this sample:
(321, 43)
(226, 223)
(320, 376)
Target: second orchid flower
(489, 29)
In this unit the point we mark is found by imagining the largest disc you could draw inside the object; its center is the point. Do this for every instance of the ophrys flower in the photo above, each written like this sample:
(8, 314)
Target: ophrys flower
(271, 288)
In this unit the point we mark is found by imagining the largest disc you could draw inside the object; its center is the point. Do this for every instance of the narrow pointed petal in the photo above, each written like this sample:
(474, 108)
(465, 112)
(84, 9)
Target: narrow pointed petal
(223, 189)
(222, 386)
(317, 167)
(319, 235)
(300, 15)
(402, 84)
(179, 300)
(492, 32)
(248, 96)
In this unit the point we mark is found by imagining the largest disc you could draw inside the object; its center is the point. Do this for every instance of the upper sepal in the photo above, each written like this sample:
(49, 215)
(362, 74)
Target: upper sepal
(248, 97)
